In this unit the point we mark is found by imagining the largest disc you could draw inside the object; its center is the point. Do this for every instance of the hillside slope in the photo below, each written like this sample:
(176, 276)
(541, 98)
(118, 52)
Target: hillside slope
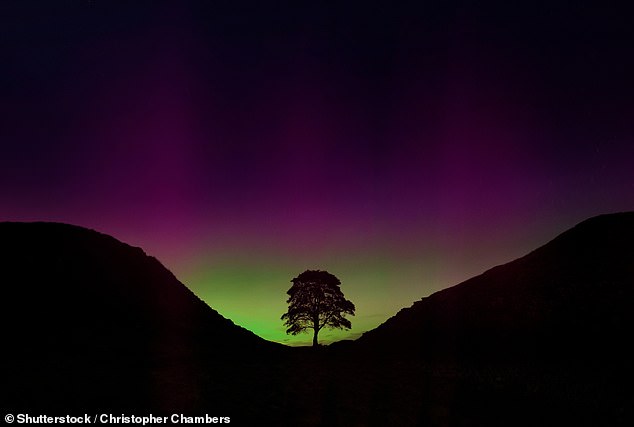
(90, 321)
(570, 298)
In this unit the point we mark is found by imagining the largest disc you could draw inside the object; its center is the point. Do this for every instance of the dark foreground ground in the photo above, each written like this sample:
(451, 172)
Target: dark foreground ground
(326, 387)
(340, 388)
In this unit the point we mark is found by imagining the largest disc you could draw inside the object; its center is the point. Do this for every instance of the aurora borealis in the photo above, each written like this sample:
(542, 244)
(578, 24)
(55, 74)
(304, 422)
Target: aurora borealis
(403, 148)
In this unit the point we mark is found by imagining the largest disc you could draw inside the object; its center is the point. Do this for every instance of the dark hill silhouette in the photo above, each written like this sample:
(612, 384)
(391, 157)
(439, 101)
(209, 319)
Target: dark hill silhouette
(542, 340)
(88, 322)
(570, 298)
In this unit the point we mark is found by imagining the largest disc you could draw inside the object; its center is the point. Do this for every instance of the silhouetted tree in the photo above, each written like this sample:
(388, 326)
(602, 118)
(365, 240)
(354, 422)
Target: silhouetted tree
(316, 302)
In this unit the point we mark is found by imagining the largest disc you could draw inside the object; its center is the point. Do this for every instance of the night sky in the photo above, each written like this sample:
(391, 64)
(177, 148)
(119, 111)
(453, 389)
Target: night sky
(403, 148)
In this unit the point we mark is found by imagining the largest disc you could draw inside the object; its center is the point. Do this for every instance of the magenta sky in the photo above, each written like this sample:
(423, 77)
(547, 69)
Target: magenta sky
(405, 147)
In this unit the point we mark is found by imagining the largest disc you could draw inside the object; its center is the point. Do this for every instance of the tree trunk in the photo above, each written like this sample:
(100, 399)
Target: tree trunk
(315, 337)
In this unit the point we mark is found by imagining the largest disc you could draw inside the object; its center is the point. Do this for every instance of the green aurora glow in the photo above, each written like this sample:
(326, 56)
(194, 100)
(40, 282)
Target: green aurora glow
(253, 294)
(251, 290)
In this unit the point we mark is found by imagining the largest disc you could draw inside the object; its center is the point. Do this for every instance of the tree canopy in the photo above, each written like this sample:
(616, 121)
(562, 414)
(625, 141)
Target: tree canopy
(315, 302)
